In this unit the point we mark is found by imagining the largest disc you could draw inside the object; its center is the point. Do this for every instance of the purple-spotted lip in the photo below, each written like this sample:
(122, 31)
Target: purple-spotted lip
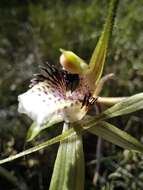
(55, 93)
(62, 83)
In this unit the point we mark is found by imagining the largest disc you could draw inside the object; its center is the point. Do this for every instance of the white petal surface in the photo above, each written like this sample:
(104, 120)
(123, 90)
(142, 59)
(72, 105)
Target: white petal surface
(42, 104)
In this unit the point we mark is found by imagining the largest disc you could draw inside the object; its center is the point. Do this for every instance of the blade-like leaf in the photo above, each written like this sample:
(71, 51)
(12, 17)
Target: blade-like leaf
(49, 142)
(69, 164)
(98, 57)
(116, 136)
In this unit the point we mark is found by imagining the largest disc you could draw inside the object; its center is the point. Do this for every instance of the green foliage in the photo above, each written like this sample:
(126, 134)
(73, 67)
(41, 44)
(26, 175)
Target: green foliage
(128, 172)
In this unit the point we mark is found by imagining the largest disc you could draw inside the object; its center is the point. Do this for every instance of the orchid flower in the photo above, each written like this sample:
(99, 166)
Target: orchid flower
(68, 95)
(56, 95)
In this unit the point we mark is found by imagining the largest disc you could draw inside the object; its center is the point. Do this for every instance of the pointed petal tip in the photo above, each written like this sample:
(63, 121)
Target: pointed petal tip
(62, 50)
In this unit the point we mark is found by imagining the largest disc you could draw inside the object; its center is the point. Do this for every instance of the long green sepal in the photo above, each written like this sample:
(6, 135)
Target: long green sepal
(98, 57)
(126, 106)
(68, 170)
(35, 130)
(116, 136)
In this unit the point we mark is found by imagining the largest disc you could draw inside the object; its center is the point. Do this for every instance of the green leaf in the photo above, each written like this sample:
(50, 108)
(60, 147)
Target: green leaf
(99, 55)
(116, 136)
(47, 143)
(35, 130)
(69, 165)
(126, 106)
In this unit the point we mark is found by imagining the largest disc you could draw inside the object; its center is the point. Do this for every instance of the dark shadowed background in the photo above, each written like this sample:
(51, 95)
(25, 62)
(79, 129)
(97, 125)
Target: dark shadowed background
(32, 32)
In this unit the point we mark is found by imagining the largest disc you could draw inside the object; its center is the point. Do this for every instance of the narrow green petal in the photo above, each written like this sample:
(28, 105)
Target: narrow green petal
(69, 165)
(35, 130)
(125, 106)
(99, 55)
(116, 136)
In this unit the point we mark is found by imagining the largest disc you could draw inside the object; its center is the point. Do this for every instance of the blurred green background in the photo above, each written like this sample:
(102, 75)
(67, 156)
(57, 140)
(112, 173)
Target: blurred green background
(32, 32)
